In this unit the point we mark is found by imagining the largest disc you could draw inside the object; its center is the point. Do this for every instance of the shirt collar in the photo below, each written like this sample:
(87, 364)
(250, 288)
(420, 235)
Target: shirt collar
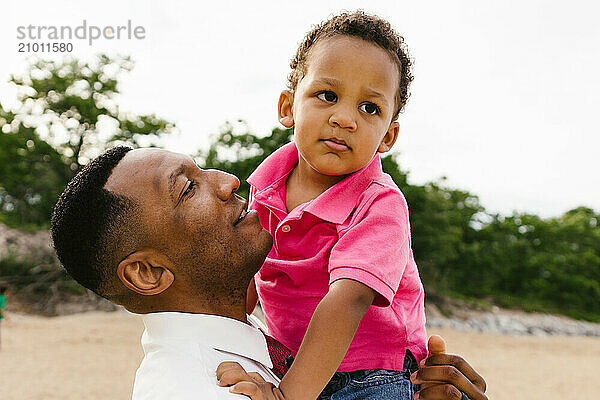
(333, 205)
(275, 167)
(220, 333)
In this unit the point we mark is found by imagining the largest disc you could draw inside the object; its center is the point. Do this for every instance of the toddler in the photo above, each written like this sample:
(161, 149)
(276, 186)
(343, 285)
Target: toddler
(340, 287)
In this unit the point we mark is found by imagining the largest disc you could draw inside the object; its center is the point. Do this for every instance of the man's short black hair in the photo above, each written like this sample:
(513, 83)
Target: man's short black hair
(3, 288)
(88, 224)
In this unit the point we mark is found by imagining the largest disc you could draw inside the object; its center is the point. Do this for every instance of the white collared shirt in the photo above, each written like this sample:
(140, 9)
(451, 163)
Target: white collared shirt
(182, 352)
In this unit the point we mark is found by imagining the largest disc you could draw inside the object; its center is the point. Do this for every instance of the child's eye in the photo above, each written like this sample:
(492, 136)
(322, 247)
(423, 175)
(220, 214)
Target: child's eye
(327, 96)
(369, 108)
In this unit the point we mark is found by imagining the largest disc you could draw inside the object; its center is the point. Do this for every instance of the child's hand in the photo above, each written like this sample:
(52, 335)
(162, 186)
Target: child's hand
(447, 376)
(250, 384)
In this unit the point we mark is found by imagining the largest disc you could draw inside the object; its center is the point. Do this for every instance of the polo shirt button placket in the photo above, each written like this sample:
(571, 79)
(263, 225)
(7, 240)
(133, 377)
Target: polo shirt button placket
(285, 228)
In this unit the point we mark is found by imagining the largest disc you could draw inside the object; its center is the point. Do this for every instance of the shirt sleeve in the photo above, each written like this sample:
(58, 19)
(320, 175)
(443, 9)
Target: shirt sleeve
(374, 249)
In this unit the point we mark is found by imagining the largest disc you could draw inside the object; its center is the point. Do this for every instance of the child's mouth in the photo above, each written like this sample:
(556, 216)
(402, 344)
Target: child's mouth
(337, 145)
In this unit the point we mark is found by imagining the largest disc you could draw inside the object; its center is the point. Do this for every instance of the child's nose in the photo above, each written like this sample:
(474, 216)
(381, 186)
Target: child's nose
(343, 117)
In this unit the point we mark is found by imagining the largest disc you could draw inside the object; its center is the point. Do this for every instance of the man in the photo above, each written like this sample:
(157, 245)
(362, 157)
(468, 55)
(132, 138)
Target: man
(149, 230)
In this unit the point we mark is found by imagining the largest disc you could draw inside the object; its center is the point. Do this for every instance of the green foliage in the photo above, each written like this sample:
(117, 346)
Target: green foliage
(441, 222)
(539, 264)
(517, 261)
(69, 99)
(31, 178)
(66, 115)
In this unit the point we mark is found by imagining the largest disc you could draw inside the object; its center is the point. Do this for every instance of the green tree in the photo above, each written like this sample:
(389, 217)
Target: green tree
(68, 101)
(533, 263)
(32, 176)
(442, 222)
(66, 115)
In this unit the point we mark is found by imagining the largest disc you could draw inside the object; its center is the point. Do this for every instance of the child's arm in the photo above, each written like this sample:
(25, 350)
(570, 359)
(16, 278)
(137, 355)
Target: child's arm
(329, 334)
(251, 297)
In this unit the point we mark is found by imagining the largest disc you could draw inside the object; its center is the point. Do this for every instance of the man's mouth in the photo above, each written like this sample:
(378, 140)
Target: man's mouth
(241, 217)
(336, 144)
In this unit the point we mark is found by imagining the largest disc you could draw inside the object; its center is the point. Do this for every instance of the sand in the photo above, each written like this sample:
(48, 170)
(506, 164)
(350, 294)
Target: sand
(94, 356)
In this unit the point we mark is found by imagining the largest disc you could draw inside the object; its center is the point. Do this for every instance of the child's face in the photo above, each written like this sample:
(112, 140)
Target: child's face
(342, 108)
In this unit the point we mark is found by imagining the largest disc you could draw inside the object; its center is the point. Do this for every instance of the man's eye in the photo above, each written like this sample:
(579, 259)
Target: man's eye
(189, 188)
(369, 108)
(327, 96)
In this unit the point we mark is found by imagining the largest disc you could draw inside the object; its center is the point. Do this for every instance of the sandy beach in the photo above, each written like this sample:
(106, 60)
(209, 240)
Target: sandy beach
(94, 356)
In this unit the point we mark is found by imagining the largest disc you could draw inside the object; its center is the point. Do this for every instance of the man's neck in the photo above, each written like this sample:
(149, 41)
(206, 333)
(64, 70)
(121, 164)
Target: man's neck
(238, 313)
(236, 310)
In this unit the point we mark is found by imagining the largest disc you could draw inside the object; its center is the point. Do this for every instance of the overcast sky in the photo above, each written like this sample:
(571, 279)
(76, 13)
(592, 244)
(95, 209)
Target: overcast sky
(505, 101)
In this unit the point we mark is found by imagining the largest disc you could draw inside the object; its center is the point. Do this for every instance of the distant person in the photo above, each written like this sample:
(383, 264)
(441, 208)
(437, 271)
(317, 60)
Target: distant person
(3, 292)
(149, 230)
(340, 287)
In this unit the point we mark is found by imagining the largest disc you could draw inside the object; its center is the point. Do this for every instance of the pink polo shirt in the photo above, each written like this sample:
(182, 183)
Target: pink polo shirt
(357, 229)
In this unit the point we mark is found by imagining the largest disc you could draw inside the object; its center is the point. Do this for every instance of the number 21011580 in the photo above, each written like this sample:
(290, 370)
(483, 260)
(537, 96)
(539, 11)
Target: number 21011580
(45, 47)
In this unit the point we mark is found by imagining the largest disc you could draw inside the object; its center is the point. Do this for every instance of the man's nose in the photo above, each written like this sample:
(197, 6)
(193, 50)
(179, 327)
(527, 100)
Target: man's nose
(344, 117)
(226, 184)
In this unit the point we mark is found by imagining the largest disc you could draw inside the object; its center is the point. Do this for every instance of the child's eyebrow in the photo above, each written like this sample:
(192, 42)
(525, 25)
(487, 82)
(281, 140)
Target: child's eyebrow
(328, 81)
(374, 93)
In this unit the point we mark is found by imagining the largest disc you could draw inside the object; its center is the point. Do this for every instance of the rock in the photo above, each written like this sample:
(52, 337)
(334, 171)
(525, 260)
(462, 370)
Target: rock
(515, 323)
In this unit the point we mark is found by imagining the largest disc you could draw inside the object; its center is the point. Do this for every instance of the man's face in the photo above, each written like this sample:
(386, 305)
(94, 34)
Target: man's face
(343, 106)
(194, 218)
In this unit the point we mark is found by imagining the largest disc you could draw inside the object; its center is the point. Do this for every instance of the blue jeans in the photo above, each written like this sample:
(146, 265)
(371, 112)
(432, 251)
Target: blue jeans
(372, 384)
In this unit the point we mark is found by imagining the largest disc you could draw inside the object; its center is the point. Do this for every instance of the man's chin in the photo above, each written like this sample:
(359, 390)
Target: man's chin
(261, 250)
(268, 242)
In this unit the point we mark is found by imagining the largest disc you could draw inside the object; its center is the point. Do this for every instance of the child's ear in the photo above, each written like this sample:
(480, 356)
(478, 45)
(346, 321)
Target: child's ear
(390, 138)
(284, 108)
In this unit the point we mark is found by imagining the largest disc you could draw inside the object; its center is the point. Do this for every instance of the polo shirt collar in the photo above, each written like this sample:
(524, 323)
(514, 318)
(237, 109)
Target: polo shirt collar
(275, 168)
(333, 205)
(220, 333)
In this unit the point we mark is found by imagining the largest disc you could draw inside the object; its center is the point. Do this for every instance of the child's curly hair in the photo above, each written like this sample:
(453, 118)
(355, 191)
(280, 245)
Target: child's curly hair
(364, 26)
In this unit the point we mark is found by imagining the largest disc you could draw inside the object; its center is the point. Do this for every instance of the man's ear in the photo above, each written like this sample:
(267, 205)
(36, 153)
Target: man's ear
(390, 138)
(285, 108)
(146, 272)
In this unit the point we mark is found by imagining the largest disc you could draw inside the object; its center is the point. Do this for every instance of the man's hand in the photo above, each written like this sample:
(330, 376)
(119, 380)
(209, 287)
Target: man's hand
(444, 376)
(250, 384)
